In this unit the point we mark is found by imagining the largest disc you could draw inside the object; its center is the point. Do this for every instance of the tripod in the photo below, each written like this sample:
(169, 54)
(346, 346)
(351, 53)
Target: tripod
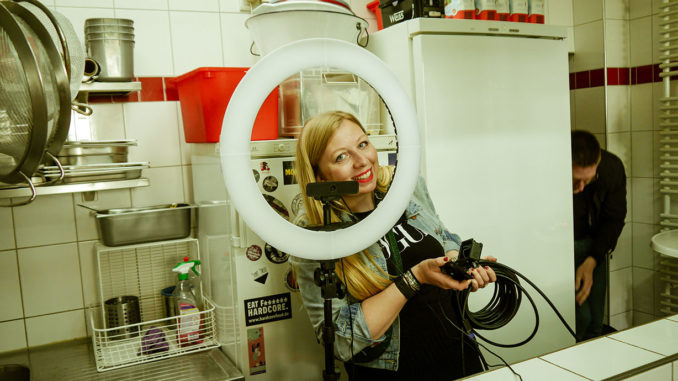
(324, 276)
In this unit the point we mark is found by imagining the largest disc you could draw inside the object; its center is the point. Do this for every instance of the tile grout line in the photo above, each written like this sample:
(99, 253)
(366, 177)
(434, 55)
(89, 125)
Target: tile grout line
(635, 346)
(565, 369)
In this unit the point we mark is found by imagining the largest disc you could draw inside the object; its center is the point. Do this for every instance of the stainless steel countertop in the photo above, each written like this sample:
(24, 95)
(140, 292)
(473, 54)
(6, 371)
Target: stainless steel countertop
(74, 360)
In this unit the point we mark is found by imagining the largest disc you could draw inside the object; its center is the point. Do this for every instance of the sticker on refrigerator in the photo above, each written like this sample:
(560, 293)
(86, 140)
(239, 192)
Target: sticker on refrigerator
(268, 308)
(289, 173)
(297, 203)
(256, 352)
(260, 275)
(278, 206)
(264, 168)
(290, 280)
(274, 255)
(270, 183)
(253, 253)
(256, 175)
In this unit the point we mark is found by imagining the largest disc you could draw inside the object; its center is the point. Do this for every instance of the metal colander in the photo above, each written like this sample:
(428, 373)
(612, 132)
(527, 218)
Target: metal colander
(54, 76)
(76, 50)
(22, 104)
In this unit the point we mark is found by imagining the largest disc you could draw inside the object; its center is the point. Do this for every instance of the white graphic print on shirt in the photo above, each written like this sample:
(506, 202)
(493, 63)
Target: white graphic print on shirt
(403, 238)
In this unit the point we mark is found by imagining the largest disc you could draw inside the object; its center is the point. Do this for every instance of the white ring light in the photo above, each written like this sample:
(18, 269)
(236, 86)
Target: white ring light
(242, 109)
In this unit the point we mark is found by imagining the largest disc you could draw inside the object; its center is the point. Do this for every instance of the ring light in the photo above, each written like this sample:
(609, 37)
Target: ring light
(242, 110)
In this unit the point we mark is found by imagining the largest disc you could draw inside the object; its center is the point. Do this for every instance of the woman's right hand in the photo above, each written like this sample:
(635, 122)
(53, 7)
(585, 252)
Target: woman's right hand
(428, 272)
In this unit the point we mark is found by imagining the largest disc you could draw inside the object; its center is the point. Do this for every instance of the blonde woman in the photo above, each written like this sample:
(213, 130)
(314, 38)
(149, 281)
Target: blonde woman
(398, 320)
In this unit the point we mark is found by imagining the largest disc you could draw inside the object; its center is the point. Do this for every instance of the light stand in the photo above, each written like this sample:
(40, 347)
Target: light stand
(324, 276)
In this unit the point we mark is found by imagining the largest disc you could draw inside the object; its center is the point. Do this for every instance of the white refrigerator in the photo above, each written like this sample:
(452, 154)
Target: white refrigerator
(493, 105)
(262, 324)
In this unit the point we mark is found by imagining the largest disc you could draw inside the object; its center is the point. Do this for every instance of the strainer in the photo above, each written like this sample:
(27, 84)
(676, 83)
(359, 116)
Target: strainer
(23, 109)
(54, 76)
(74, 58)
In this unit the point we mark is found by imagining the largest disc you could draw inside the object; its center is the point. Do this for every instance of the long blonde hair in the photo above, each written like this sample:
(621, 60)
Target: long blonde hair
(361, 281)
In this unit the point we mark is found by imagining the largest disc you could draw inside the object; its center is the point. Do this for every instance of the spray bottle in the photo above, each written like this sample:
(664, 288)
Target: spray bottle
(186, 305)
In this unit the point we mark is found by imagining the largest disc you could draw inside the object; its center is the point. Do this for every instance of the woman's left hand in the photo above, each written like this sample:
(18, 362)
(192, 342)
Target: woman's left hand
(482, 275)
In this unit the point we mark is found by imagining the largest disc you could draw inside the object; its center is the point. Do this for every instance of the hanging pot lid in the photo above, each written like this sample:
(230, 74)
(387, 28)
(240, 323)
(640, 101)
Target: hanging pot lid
(337, 6)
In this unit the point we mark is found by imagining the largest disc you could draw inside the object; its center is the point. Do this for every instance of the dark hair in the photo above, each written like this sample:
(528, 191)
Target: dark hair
(585, 149)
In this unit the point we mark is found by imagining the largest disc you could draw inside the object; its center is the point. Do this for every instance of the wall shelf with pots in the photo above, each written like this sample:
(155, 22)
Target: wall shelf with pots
(74, 187)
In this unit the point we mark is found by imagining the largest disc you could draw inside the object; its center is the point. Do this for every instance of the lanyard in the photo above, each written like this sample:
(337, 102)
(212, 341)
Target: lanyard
(395, 253)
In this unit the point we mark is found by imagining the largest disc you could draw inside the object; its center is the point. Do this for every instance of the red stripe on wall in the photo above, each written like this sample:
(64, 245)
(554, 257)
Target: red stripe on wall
(615, 76)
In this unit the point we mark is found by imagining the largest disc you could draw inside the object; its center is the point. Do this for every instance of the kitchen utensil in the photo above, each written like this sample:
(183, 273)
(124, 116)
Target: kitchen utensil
(23, 108)
(123, 312)
(108, 21)
(114, 51)
(91, 71)
(54, 76)
(137, 225)
(102, 28)
(95, 152)
(168, 302)
(65, 39)
(109, 36)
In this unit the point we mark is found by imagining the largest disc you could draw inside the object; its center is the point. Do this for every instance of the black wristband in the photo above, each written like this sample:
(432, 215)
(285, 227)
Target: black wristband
(404, 286)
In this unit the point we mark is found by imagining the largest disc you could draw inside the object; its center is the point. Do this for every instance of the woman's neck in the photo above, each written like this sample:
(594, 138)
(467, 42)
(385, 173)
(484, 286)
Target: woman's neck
(360, 203)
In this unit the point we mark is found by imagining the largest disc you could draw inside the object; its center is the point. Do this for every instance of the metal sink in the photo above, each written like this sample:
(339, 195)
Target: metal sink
(14, 372)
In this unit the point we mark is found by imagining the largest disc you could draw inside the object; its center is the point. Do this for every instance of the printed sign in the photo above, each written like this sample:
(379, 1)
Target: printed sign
(255, 349)
(289, 176)
(268, 308)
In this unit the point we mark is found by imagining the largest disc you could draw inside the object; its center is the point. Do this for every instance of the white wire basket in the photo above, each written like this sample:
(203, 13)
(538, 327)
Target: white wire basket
(154, 340)
(142, 272)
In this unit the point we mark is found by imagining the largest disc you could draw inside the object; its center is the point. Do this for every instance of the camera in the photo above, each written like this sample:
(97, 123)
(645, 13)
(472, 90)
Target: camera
(469, 255)
(331, 190)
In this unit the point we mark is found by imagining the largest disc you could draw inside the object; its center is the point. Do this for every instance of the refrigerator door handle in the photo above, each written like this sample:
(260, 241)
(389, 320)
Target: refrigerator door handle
(235, 226)
(242, 226)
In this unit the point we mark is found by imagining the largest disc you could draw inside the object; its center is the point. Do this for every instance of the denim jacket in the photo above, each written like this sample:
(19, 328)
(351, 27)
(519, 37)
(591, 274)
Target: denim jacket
(347, 314)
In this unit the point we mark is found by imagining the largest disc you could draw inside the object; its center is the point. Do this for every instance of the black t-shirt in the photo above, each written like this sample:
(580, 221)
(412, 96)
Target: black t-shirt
(430, 346)
(581, 214)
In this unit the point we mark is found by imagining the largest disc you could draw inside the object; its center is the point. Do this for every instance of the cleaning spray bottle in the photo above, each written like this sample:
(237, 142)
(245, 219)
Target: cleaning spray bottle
(187, 312)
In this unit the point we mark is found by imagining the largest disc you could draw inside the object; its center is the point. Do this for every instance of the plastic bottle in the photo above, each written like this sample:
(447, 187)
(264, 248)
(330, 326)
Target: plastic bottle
(187, 312)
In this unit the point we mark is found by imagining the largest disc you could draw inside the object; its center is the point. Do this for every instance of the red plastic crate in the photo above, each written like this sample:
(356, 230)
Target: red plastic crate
(204, 94)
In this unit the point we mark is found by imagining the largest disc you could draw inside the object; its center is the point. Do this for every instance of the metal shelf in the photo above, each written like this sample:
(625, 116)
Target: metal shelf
(109, 88)
(75, 188)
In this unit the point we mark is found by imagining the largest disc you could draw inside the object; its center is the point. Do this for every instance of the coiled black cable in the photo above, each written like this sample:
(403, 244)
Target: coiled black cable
(504, 304)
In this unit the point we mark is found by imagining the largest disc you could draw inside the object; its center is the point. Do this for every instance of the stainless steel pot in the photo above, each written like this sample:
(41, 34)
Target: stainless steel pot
(115, 58)
(104, 21)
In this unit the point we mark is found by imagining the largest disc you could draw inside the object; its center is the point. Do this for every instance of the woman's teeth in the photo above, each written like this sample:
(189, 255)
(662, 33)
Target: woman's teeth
(364, 176)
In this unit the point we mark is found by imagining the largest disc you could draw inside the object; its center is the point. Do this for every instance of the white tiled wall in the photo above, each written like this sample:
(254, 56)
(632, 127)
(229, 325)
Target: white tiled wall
(47, 258)
(611, 34)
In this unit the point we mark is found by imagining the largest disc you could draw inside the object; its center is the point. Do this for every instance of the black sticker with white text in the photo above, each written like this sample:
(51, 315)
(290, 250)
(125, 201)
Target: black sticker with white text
(268, 308)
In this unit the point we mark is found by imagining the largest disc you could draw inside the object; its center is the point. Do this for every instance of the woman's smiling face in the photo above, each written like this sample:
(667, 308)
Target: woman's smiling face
(349, 155)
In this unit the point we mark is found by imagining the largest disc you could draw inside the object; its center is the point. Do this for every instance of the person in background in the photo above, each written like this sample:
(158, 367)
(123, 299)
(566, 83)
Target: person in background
(599, 187)
(401, 319)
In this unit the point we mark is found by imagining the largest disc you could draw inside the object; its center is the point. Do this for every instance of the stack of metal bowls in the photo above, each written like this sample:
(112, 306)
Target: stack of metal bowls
(110, 42)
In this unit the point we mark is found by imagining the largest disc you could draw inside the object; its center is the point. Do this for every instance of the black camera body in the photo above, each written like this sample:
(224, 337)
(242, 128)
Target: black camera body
(469, 255)
(331, 190)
